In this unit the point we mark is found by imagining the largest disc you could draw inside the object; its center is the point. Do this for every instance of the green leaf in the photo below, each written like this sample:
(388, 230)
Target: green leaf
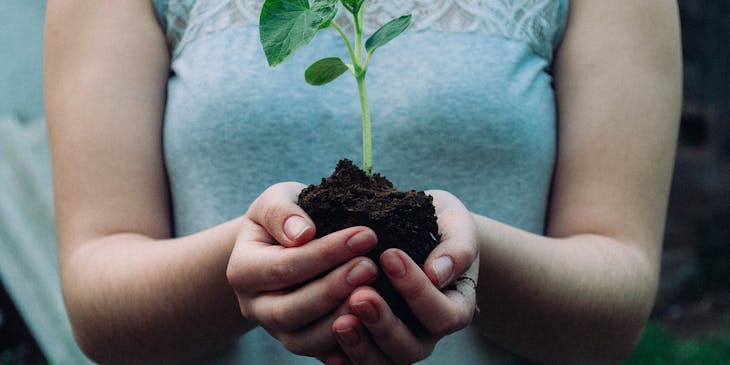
(387, 32)
(324, 71)
(353, 6)
(287, 25)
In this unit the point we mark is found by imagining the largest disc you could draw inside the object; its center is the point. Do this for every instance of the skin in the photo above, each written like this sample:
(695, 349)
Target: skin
(588, 285)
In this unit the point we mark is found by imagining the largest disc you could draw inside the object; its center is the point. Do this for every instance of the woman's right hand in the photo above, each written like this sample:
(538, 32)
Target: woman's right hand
(292, 285)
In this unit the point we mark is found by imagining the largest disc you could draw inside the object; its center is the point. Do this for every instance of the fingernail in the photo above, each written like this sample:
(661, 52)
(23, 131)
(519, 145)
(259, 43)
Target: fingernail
(348, 337)
(295, 226)
(366, 312)
(361, 242)
(393, 265)
(444, 268)
(363, 272)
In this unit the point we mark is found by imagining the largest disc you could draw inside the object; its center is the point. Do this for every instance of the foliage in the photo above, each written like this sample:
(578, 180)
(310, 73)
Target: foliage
(659, 347)
(286, 26)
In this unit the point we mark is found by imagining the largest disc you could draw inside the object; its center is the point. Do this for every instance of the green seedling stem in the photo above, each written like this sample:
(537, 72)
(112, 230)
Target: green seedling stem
(287, 25)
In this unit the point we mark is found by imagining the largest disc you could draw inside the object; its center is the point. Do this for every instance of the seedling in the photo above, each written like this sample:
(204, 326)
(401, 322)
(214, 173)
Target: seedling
(288, 25)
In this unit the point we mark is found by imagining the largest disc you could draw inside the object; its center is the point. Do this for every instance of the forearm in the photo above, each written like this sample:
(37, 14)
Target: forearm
(134, 299)
(580, 299)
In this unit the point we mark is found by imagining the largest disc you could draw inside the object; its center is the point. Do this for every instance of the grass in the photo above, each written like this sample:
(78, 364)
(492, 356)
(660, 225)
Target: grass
(659, 346)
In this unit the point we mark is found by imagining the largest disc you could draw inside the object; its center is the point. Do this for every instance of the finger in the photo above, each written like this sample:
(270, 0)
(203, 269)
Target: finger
(356, 343)
(457, 251)
(439, 313)
(255, 267)
(291, 311)
(334, 358)
(277, 211)
(391, 336)
(315, 340)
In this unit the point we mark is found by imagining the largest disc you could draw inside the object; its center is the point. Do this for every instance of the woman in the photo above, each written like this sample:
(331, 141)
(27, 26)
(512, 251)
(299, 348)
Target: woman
(554, 124)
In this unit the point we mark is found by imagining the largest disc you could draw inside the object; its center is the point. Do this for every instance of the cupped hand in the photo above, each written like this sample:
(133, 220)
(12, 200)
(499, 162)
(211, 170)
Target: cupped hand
(440, 295)
(291, 285)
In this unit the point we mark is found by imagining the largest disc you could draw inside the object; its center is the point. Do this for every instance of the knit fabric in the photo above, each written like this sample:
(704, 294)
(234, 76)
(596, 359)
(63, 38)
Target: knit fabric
(462, 101)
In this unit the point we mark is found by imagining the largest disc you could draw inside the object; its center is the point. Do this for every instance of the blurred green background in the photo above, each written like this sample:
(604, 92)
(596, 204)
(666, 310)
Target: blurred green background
(691, 320)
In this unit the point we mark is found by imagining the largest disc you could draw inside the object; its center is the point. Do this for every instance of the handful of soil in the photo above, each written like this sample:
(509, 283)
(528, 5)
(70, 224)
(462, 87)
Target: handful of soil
(401, 219)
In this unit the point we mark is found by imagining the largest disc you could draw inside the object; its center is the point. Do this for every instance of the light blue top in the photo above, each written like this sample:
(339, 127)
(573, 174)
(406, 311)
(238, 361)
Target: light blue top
(462, 101)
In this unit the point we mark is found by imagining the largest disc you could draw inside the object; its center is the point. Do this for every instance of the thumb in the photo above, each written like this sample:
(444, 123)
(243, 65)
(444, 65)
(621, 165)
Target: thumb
(458, 250)
(276, 210)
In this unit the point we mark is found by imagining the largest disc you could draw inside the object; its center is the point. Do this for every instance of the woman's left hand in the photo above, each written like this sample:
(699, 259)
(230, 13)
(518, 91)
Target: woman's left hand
(372, 334)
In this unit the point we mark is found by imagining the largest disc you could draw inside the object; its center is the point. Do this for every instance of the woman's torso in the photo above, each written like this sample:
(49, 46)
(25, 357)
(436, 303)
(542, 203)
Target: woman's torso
(462, 101)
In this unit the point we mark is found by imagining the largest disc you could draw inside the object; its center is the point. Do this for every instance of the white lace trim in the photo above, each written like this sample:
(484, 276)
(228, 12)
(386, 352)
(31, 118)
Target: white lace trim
(533, 21)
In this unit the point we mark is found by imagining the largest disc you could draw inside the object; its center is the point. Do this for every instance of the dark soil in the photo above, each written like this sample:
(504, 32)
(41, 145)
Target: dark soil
(401, 219)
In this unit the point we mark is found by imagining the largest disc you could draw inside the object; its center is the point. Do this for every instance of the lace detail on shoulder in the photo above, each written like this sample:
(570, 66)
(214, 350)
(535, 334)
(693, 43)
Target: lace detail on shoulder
(533, 21)
(536, 22)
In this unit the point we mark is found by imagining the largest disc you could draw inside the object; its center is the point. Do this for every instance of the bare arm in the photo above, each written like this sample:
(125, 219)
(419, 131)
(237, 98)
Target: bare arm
(131, 292)
(583, 293)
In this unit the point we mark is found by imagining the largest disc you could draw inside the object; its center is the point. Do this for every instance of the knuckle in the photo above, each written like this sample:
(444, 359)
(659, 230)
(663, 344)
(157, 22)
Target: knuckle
(329, 252)
(295, 344)
(270, 204)
(232, 276)
(414, 292)
(421, 353)
(281, 273)
(450, 213)
(464, 254)
(247, 313)
(414, 354)
(334, 297)
(274, 190)
(236, 277)
(448, 323)
(274, 212)
(276, 318)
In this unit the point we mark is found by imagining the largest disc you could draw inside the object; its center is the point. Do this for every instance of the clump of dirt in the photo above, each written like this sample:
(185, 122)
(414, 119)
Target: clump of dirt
(401, 219)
